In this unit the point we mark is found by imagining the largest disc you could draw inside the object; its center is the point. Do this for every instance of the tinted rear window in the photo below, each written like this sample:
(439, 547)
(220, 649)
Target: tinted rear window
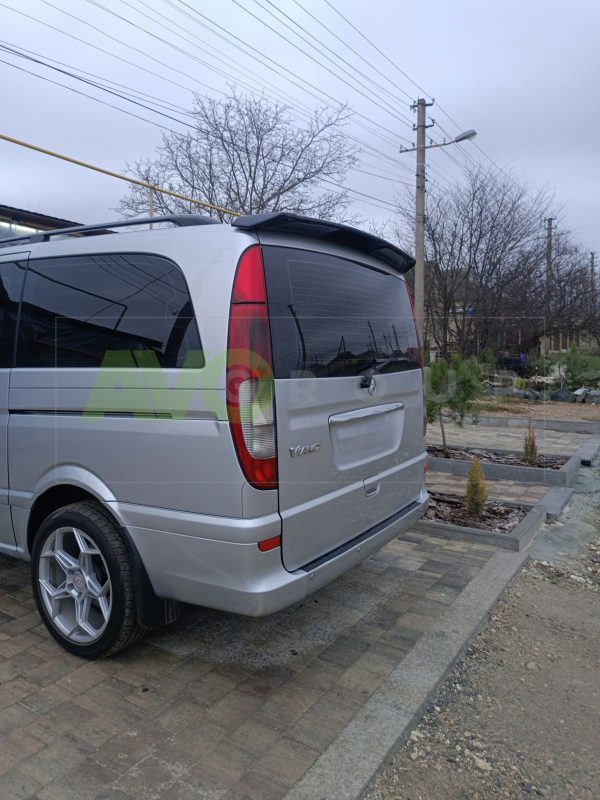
(331, 317)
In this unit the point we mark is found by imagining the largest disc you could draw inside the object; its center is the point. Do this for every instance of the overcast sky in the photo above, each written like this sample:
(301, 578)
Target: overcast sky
(524, 73)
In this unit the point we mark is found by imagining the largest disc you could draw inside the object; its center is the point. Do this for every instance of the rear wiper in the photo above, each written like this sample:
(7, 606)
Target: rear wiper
(376, 365)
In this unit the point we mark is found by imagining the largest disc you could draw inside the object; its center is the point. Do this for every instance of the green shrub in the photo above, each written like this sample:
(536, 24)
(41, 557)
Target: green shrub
(487, 356)
(477, 492)
(453, 386)
(543, 366)
(575, 366)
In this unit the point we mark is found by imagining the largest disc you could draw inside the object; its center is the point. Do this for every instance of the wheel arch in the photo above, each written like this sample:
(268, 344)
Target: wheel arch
(153, 611)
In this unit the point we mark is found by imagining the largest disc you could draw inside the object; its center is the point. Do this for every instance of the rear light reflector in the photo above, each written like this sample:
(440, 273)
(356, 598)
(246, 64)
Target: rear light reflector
(269, 544)
(250, 387)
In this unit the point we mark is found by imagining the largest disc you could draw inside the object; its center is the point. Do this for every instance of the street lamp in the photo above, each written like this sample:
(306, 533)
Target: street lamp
(421, 106)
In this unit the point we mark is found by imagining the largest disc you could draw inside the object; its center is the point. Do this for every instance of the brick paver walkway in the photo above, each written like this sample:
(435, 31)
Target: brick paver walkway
(217, 706)
(483, 436)
(526, 494)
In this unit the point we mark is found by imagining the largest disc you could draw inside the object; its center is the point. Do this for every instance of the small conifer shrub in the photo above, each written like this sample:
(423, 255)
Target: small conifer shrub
(477, 492)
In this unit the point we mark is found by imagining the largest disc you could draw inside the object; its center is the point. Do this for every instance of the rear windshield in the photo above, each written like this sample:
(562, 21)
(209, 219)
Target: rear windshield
(331, 317)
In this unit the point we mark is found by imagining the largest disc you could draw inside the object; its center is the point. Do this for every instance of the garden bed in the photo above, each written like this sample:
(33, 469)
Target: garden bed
(497, 457)
(497, 518)
(507, 465)
(510, 527)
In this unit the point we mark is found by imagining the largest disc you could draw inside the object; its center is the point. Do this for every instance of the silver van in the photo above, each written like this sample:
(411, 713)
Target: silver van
(224, 415)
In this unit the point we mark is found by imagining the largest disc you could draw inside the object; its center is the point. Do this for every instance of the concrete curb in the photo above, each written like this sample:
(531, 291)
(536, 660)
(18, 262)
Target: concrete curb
(563, 425)
(565, 476)
(517, 539)
(555, 501)
(382, 725)
(588, 451)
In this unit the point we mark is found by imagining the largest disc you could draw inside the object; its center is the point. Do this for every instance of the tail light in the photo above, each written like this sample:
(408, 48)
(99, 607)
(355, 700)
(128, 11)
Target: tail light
(249, 377)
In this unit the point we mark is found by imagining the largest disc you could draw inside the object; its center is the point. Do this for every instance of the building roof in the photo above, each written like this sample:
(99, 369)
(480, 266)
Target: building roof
(22, 217)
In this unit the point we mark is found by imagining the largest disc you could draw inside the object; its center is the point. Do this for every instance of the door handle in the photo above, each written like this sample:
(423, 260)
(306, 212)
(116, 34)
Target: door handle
(373, 491)
(363, 413)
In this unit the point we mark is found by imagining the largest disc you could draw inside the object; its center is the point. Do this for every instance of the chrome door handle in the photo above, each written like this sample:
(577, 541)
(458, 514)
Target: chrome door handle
(372, 491)
(362, 413)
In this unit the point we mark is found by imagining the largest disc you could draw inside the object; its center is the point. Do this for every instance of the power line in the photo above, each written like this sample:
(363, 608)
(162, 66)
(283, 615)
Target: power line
(287, 98)
(310, 41)
(316, 61)
(219, 71)
(129, 46)
(378, 202)
(352, 49)
(19, 50)
(92, 83)
(408, 77)
(372, 148)
(234, 41)
(275, 63)
(381, 53)
(91, 97)
(100, 49)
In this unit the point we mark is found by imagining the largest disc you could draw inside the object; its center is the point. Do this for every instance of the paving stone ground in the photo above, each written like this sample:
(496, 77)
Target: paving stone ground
(217, 706)
(505, 491)
(548, 442)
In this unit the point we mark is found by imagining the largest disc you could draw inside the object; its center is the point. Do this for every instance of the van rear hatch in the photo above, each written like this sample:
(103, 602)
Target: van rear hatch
(348, 395)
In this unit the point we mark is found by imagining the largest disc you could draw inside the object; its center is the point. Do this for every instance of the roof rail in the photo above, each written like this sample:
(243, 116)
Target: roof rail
(334, 232)
(181, 220)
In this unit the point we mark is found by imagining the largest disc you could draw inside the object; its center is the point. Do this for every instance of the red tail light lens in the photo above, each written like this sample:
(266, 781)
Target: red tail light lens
(250, 387)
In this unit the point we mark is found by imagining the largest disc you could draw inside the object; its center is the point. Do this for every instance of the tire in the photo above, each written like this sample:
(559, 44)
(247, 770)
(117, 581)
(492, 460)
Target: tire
(83, 582)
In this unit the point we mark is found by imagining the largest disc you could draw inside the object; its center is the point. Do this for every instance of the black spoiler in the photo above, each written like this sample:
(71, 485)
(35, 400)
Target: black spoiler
(333, 232)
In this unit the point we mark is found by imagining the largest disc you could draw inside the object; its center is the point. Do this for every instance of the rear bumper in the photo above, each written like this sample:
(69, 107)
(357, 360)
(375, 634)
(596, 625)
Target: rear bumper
(237, 577)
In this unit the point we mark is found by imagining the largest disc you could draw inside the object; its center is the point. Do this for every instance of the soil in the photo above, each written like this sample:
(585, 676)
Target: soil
(497, 517)
(511, 407)
(519, 717)
(492, 457)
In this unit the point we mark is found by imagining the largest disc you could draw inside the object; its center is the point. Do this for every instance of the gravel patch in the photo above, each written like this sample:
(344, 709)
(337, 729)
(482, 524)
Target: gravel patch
(519, 716)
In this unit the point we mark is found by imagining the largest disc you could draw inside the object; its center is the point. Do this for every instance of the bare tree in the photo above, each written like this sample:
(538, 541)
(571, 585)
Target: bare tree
(245, 154)
(486, 282)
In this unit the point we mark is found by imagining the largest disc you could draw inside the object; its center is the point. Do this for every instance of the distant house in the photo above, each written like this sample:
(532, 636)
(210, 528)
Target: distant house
(17, 222)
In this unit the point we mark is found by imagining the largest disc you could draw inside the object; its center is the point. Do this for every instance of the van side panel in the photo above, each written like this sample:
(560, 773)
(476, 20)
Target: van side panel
(187, 464)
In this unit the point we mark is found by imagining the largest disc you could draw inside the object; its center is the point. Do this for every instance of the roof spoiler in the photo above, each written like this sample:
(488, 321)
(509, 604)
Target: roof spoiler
(334, 232)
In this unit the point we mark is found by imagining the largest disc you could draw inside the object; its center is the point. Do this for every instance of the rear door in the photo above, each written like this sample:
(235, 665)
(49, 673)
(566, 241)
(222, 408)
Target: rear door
(349, 398)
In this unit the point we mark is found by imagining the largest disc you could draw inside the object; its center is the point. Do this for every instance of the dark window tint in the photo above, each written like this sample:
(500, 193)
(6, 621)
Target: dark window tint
(78, 308)
(11, 284)
(331, 317)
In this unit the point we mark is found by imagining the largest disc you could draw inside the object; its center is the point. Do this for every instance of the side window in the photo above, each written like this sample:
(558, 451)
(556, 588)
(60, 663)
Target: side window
(77, 308)
(11, 284)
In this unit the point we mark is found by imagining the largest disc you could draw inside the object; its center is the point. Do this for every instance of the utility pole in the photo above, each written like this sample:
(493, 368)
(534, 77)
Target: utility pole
(420, 128)
(593, 280)
(549, 231)
(421, 108)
